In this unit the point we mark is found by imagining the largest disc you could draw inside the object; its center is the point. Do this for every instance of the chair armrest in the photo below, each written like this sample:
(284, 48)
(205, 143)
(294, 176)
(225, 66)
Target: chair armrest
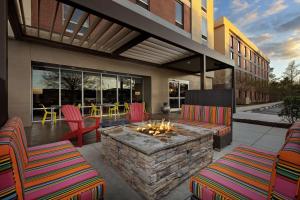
(79, 122)
(95, 118)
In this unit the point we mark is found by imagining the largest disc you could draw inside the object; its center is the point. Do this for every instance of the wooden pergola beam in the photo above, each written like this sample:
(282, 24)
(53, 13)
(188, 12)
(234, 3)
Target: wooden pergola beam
(90, 30)
(53, 20)
(67, 21)
(79, 26)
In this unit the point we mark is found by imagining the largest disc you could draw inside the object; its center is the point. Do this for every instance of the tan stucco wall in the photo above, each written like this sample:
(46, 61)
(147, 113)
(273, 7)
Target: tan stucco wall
(197, 15)
(20, 55)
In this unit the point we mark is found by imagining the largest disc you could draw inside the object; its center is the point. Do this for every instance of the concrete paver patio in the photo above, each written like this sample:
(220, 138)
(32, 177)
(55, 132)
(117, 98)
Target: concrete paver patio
(264, 137)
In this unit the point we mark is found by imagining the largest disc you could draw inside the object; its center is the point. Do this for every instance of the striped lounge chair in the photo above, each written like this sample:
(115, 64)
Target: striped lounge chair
(250, 173)
(215, 118)
(51, 171)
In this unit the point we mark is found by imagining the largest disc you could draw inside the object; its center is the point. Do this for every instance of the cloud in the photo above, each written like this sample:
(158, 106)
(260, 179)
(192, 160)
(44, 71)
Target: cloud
(297, 1)
(248, 19)
(293, 24)
(275, 8)
(239, 5)
(285, 50)
(261, 38)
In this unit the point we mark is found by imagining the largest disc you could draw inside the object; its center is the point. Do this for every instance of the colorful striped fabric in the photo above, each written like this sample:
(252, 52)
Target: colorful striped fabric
(244, 173)
(209, 114)
(52, 171)
(286, 176)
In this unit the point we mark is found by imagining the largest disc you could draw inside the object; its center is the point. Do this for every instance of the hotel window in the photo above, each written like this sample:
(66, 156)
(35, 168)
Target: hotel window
(239, 46)
(245, 64)
(245, 51)
(204, 5)
(177, 91)
(74, 20)
(239, 61)
(250, 55)
(143, 3)
(231, 55)
(179, 14)
(204, 28)
(231, 41)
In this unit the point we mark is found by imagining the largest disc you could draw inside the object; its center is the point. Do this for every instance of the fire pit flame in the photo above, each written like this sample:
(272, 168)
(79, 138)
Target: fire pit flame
(156, 129)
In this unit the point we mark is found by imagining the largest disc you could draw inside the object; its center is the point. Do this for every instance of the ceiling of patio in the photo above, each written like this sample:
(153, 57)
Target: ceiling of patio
(68, 26)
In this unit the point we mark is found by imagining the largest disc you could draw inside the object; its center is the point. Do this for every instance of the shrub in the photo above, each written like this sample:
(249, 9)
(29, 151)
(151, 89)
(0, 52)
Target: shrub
(291, 109)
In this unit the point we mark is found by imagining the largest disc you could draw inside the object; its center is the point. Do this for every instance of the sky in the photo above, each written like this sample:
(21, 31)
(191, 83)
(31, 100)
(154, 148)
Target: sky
(273, 25)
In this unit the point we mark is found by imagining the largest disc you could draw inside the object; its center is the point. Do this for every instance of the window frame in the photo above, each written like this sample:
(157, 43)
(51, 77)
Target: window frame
(143, 4)
(179, 24)
(204, 8)
(204, 37)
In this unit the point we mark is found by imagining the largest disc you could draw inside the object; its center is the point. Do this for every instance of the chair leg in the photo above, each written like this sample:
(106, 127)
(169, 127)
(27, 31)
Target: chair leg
(54, 118)
(44, 118)
(80, 140)
(98, 136)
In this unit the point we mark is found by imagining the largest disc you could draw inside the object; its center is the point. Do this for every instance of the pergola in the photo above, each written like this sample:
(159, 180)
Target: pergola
(117, 29)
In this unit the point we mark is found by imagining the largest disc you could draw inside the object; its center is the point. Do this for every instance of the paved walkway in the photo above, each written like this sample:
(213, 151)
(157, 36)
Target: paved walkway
(264, 137)
(251, 107)
(245, 114)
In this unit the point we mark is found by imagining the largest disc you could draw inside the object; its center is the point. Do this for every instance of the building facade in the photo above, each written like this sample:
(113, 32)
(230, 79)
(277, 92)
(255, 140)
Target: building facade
(52, 75)
(252, 66)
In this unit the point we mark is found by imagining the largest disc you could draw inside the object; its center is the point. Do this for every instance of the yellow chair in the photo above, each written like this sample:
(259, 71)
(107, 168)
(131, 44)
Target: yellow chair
(46, 113)
(114, 109)
(126, 107)
(94, 110)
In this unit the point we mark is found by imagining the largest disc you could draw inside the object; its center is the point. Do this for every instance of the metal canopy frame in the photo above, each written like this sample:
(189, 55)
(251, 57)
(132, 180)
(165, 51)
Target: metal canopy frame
(117, 31)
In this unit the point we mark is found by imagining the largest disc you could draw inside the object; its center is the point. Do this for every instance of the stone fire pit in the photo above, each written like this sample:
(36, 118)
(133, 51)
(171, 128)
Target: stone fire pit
(154, 165)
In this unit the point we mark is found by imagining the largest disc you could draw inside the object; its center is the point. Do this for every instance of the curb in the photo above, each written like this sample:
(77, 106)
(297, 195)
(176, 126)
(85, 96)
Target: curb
(264, 123)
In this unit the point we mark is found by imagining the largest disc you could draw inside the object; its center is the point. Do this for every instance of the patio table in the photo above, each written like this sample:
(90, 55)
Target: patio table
(154, 166)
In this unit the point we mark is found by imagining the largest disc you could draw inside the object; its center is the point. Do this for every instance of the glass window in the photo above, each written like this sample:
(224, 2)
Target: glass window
(239, 46)
(245, 51)
(231, 55)
(204, 28)
(74, 20)
(179, 14)
(204, 5)
(71, 87)
(231, 41)
(109, 88)
(124, 85)
(137, 90)
(239, 61)
(92, 90)
(250, 55)
(143, 3)
(45, 90)
(177, 92)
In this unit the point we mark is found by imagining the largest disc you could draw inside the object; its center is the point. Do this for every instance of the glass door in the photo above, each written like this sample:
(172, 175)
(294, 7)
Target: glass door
(177, 91)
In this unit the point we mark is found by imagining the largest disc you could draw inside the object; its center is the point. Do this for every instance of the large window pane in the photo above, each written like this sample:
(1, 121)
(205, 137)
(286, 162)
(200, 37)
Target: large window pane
(179, 13)
(173, 89)
(45, 90)
(124, 90)
(204, 28)
(174, 103)
(137, 90)
(92, 90)
(183, 89)
(109, 88)
(71, 91)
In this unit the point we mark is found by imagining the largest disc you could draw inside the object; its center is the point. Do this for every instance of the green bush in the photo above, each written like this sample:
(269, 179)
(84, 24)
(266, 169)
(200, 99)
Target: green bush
(291, 108)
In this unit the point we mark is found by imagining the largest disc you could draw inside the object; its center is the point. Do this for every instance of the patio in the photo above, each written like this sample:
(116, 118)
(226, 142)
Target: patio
(263, 137)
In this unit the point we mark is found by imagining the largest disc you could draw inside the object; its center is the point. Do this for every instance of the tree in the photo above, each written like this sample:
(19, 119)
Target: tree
(292, 71)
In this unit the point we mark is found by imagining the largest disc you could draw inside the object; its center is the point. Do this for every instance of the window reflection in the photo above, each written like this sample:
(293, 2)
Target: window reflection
(124, 89)
(71, 87)
(92, 90)
(45, 89)
(137, 90)
(109, 88)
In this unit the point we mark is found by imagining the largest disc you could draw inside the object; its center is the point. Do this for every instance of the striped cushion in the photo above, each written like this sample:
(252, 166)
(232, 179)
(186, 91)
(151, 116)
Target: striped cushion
(286, 176)
(53, 171)
(219, 130)
(243, 174)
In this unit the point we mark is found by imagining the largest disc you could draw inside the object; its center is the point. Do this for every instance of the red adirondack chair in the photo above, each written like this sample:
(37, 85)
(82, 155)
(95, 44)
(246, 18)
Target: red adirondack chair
(76, 124)
(137, 113)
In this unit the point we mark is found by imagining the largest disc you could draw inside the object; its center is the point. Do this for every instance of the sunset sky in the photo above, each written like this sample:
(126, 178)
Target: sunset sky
(273, 25)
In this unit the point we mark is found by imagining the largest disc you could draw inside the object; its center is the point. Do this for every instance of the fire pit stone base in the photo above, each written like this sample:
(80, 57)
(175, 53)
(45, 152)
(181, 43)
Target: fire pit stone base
(155, 174)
